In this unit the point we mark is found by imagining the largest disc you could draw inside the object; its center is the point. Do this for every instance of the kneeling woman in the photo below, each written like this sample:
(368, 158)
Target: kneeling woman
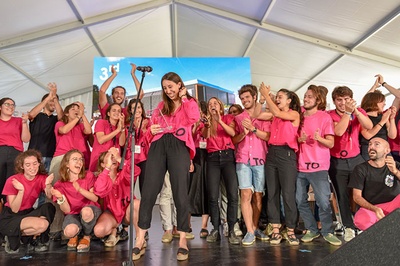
(74, 193)
(19, 220)
(114, 188)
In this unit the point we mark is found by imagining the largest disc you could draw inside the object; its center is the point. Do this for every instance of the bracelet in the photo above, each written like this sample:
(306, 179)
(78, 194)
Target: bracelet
(383, 84)
(380, 124)
(347, 113)
(59, 202)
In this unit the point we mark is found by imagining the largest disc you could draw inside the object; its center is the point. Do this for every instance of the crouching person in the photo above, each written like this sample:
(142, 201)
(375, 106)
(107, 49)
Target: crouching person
(74, 193)
(19, 221)
(113, 187)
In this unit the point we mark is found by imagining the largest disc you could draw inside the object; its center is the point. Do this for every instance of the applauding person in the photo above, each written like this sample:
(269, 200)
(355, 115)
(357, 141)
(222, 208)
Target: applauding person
(19, 220)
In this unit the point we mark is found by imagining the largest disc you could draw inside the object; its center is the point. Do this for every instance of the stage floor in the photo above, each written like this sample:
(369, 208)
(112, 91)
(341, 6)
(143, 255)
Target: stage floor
(157, 253)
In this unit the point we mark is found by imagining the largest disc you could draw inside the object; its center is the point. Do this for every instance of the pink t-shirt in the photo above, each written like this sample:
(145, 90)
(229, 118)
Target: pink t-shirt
(347, 145)
(283, 133)
(74, 139)
(251, 148)
(222, 141)
(198, 136)
(75, 199)
(312, 155)
(104, 110)
(102, 126)
(116, 195)
(142, 141)
(11, 133)
(32, 189)
(180, 122)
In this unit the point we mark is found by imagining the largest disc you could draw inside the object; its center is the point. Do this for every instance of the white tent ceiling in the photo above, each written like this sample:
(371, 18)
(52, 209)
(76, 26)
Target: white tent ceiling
(291, 43)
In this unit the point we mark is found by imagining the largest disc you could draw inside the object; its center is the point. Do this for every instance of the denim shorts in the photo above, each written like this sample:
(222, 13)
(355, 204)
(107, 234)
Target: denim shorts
(251, 177)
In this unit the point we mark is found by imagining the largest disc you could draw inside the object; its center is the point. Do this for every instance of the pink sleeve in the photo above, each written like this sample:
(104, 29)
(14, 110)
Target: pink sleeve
(103, 184)
(191, 111)
(127, 171)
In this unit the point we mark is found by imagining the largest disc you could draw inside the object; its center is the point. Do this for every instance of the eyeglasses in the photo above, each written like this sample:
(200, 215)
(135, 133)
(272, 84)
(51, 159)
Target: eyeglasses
(9, 105)
(75, 159)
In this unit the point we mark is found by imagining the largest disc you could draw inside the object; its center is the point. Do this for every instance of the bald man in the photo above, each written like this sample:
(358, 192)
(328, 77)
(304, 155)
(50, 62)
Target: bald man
(376, 185)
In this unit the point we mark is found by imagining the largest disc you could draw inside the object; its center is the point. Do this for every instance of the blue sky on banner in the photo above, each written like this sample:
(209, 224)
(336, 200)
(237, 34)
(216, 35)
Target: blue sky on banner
(226, 72)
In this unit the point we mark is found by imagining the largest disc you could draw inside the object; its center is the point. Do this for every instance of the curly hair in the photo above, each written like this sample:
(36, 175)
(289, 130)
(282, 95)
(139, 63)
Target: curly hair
(20, 159)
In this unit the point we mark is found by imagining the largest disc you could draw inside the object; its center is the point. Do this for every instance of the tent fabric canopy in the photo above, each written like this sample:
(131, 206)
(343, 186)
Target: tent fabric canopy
(291, 43)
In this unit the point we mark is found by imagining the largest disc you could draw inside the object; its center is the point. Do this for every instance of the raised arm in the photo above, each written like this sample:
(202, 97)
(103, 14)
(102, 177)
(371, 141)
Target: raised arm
(384, 84)
(136, 81)
(25, 133)
(273, 108)
(104, 87)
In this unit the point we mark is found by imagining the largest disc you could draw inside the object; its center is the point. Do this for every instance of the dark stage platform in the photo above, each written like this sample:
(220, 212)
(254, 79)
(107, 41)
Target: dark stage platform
(157, 253)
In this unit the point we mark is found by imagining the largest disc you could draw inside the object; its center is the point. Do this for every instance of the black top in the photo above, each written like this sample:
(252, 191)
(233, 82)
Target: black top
(378, 185)
(43, 138)
(382, 133)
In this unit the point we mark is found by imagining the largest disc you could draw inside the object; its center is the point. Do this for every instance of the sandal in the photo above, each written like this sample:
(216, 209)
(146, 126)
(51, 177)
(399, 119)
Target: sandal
(203, 233)
(137, 253)
(291, 238)
(276, 238)
(83, 242)
(72, 243)
(111, 241)
(183, 254)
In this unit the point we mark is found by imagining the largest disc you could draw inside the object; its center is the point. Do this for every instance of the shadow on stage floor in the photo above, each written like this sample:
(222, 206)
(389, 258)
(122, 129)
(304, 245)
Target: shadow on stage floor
(157, 253)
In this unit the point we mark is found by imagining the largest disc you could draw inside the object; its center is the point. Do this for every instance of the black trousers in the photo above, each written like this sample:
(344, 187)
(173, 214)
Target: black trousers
(10, 222)
(7, 158)
(222, 164)
(166, 154)
(281, 175)
(340, 172)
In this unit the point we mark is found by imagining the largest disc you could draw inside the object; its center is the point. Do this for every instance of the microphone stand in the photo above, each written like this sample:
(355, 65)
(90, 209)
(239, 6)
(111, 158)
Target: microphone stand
(131, 134)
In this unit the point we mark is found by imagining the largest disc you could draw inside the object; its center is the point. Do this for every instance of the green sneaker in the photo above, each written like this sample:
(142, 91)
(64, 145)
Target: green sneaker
(332, 239)
(309, 236)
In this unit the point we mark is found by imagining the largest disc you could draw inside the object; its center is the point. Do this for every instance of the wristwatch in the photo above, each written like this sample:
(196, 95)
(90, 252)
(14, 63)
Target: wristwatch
(254, 130)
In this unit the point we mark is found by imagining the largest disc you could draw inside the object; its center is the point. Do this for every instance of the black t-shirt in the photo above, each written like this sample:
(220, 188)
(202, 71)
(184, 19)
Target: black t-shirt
(43, 138)
(382, 133)
(378, 185)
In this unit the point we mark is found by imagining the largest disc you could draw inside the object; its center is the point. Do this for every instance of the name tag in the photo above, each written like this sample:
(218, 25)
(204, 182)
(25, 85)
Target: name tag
(203, 144)
(137, 149)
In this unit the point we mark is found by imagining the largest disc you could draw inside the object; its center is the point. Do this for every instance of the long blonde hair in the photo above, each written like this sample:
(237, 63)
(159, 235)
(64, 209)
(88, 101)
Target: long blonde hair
(213, 126)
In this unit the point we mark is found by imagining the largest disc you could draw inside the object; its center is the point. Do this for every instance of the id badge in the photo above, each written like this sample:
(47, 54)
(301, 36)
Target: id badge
(203, 144)
(137, 149)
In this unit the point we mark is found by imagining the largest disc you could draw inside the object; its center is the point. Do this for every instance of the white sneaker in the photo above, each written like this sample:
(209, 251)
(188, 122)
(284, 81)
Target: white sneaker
(225, 229)
(349, 234)
(236, 229)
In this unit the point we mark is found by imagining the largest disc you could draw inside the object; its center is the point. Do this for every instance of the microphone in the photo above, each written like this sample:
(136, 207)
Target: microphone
(145, 68)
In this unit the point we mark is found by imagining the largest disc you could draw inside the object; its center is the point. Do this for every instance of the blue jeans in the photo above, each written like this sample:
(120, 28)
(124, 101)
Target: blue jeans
(46, 162)
(251, 176)
(322, 192)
